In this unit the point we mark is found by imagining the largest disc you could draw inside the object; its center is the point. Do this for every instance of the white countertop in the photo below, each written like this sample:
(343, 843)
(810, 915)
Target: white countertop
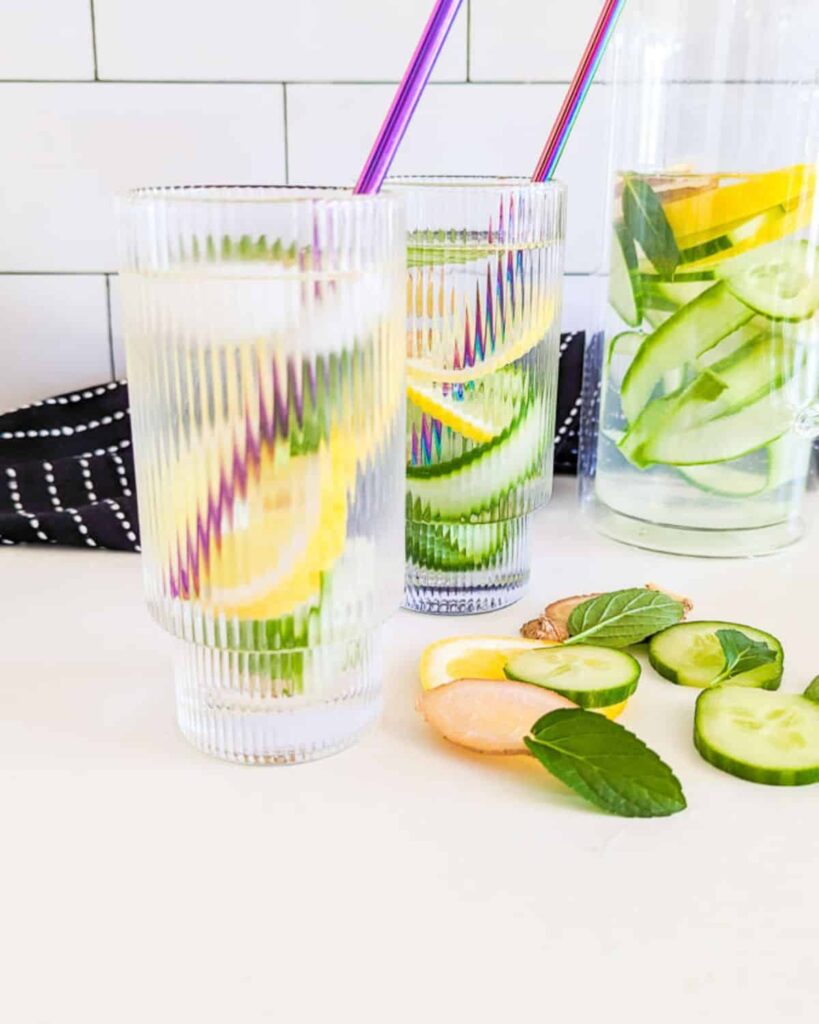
(403, 879)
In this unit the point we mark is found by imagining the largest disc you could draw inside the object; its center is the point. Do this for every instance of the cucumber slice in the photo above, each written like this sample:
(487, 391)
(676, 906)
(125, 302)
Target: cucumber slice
(757, 327)
(482, 477)
(725, 481)
(721, 439)
(593, 677)
(772, 738)
(656, 317)
(682, 339)
(454, 547)
(673, 294)
(705, 250)
(780, 280)
(727, 411)
(690, 654)
(787, 459)
(625, 287)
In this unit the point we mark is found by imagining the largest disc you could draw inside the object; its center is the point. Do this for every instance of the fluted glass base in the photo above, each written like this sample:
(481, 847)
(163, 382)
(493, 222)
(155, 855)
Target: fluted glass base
(277, 708)
(460, 569)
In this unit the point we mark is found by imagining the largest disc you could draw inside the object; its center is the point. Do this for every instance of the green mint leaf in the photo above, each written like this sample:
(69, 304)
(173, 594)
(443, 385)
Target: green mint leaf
(812, 692)
(623, 617)
(742, 654)
(648, 225)
(606, 764)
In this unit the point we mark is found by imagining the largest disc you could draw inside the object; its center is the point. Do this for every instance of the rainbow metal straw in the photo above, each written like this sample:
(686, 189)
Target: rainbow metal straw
(583, 78)
(407, 96)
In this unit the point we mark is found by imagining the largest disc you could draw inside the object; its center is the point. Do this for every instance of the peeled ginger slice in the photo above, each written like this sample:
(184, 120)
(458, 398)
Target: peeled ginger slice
(488, 715)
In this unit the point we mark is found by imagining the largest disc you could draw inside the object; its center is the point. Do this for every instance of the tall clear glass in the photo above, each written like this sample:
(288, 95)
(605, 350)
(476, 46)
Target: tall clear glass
(699, 400)
(264, 332)
(484, 274)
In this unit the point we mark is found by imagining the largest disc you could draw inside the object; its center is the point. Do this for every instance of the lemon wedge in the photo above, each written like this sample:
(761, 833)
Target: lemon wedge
(480, 657)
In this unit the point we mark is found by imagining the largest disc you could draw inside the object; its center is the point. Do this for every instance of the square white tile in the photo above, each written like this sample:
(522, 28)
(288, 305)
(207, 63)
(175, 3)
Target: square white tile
(530, 40)
(69, 148)
(55, 335)
(46, 39)
(474, 129)
(269, 40)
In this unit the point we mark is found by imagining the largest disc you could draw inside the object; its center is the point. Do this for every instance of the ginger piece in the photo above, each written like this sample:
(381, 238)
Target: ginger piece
(559, 611)
(490, 716)
(543, 628)
(686, 602)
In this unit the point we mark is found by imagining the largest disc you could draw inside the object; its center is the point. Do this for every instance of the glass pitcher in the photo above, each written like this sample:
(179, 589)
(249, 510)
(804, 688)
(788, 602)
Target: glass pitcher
(700, 391)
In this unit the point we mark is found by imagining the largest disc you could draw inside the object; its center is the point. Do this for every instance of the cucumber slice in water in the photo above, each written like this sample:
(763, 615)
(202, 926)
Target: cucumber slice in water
(780, 280)
(674, 294)
(772, 738)
(480, 478)
(684, 337)
(726, 437)
(593, 677)
(625, 288)
(725, 481)
(733, 407)
(690, 654)
(786, 459)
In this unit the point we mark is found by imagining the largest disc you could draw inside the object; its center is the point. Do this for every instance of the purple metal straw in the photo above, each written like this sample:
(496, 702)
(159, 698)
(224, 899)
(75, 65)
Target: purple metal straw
(578, 90)
(407, 96)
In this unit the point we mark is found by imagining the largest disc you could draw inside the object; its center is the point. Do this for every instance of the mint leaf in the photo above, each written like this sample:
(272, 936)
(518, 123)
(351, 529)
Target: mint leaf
(812, 692)
(742, 654)
(648, 225)
(623, 617)
(606, 764)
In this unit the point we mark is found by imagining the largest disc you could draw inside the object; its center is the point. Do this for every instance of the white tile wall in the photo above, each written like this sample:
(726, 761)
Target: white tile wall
(272, 40)
(54, 335)
(458, 129)
(529, 40)
(66, 149)
(46, 39)
(161, 93)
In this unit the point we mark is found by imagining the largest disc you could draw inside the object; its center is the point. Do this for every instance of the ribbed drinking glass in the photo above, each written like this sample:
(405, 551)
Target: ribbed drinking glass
(264, 337)
(484, 271)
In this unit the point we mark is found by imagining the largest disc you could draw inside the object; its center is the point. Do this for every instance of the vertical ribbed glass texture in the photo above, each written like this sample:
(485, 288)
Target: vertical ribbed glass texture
(700, 396)
(264, 337)
(484, 271)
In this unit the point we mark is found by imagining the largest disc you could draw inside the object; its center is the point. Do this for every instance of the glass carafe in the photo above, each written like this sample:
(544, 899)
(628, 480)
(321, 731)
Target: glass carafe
(700, 392)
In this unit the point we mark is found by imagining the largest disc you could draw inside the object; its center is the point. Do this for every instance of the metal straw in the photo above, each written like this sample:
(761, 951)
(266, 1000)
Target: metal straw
(407, 96)
(578, 90)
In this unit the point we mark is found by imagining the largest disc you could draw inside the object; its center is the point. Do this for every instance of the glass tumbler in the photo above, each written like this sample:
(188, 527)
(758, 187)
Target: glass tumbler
(484, 275)
(264, 336)
(700, 398)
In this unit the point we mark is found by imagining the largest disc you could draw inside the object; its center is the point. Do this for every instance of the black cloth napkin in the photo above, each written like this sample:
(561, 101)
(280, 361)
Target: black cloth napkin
(67, 467)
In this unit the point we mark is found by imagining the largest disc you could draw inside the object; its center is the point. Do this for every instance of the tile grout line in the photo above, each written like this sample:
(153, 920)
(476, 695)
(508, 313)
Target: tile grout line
(286, 134)
(371, 81)
(94, 38)
(111, 362)
(468, 39)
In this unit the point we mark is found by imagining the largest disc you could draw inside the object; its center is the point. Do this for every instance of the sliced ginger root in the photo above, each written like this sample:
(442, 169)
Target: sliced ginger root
(488, 715)
(553, 622)
(686, 602)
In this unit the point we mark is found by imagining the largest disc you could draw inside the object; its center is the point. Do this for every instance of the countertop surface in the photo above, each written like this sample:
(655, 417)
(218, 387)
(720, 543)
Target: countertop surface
(403, 879)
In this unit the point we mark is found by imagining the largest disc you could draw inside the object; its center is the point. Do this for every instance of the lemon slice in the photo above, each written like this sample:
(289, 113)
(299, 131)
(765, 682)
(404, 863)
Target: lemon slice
(480, 657)
(471, 657)
(428, 370)
(478, 419)
(716, 208)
